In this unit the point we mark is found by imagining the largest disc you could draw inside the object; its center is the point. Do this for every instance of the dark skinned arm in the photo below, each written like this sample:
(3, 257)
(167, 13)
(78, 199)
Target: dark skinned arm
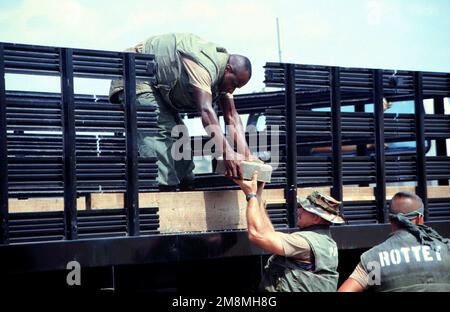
(211, 124)
(234, 123)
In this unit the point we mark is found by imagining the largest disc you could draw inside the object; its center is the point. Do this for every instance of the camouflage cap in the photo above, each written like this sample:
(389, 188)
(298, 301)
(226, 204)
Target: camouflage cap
(322, 205)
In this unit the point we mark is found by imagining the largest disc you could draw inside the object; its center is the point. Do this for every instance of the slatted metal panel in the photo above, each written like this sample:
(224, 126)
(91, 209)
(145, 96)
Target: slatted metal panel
(308, 99)
(316, 170)
(438, 167)
(56, 141)
(49, 225)
(278, 215)
(360, 212)
(36, 226)
(311, 77)
(439, 208)
(42, 60)
(357, 126)
(356, 212)
(36, 164)
(35, 158)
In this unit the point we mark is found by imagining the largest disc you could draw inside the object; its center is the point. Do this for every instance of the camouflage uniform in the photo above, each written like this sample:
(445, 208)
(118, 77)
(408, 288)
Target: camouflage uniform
(172, 93)
(284, 274)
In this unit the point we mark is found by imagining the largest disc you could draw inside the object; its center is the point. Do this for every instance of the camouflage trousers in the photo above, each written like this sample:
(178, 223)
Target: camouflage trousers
(159, 144)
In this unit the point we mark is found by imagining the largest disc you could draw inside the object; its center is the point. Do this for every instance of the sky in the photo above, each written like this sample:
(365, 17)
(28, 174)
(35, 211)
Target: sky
(391, 34)
(388, 34)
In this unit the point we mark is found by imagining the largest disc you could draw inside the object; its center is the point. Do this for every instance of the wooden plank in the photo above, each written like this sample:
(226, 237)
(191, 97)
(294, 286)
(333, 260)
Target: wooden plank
(41, 204)
(434, 191)
(350, 193)
(304, 192)
(179, 199)
(107, 200)
(192, 211)
(439, 191)
(392, 190)
(354, 193)
(203, 211)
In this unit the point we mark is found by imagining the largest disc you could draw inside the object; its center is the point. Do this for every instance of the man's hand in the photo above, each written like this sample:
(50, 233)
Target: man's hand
(260, 188)
(232, 162)
(233, 168)
(249, 187)
(252, 157)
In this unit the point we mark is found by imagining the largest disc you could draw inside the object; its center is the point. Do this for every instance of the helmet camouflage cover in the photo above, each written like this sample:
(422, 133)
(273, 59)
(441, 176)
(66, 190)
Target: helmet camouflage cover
(322, 205)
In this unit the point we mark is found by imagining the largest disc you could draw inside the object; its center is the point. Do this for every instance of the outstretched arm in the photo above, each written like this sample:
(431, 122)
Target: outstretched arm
(234, 123)
(212, 126)
(260, 229)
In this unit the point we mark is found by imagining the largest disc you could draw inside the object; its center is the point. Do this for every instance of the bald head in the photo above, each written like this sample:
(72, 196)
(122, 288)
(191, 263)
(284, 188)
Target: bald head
(404, 202)
(237, 73)
(241, 64)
